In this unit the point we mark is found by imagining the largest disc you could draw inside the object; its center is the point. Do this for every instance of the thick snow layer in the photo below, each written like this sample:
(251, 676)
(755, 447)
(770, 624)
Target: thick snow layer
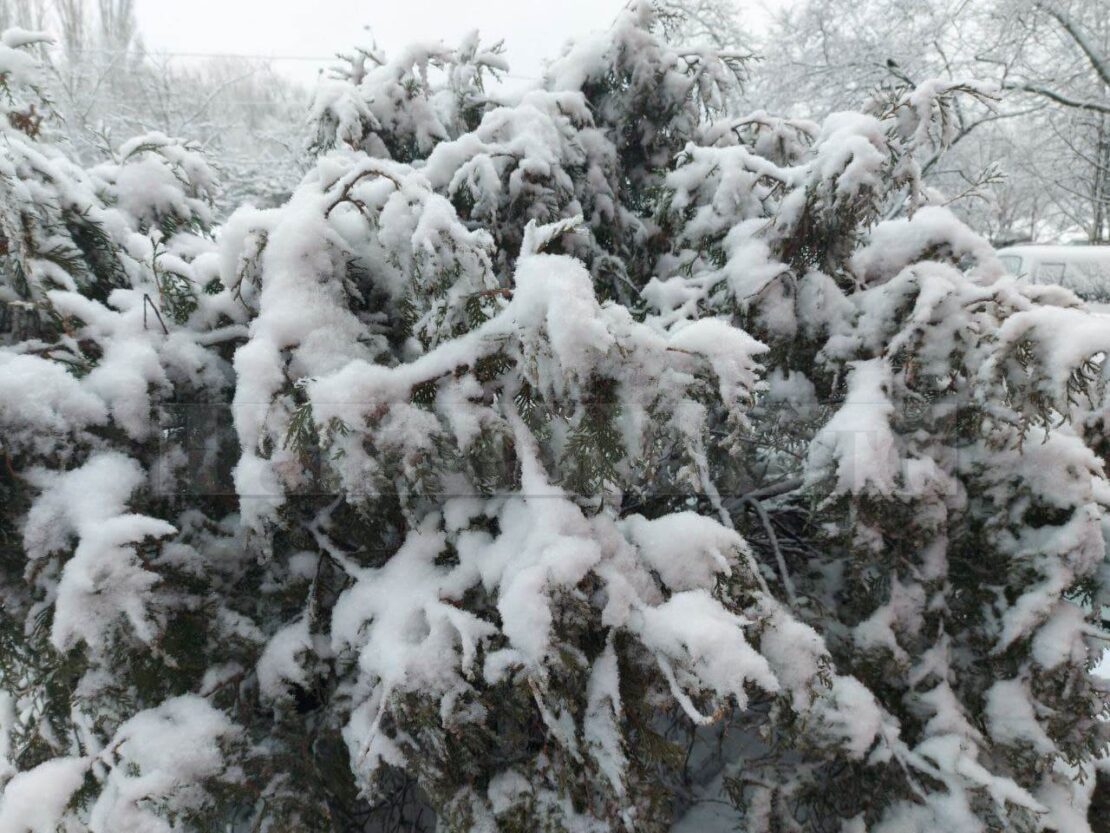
(104, 579)
(857, 445)
(35, 800)
(852, 153)
(16, 63)
(1011, 716)
(932, 232)
(695, 638)
(730, 351)
(686, 549)
(160, 756)
(279, 668)
(41, 402)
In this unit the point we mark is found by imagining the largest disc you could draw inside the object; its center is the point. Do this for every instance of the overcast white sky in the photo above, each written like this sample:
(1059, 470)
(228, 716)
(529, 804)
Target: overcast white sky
(533, 29)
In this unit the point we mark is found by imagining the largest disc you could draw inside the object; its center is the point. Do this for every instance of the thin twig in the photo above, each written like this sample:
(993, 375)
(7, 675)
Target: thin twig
(148, 301)
(787, 582)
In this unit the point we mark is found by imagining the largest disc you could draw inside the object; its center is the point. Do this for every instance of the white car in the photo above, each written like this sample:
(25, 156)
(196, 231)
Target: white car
(1085, 270)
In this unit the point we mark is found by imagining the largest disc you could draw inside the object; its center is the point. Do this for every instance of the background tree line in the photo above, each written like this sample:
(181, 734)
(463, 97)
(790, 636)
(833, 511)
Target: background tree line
(1034, 164)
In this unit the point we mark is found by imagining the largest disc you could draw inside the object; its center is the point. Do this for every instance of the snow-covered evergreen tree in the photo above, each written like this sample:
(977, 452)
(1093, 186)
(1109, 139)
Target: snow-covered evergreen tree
(114, 316)
(594, 462)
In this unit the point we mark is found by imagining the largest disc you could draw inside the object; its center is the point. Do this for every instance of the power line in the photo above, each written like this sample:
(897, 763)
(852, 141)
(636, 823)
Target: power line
(257, 56)
(249, 56)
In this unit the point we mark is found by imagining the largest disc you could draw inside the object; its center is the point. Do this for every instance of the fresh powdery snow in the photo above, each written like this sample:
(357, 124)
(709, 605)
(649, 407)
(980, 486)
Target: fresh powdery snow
(594, 458)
